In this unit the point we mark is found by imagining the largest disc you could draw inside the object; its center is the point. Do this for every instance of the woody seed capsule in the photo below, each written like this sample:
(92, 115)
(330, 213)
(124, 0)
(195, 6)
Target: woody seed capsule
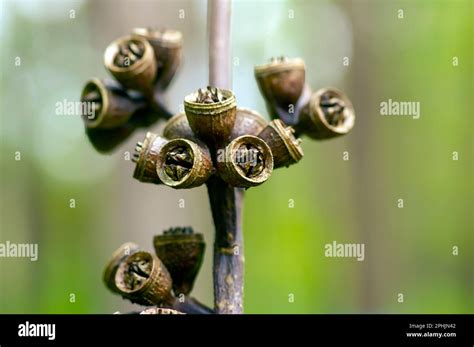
(247, 161)
(167, 45)
(182, 163)
(281, 83)
(286, 149)
(111, 105)
(142, 278)
(117, 258)
(182, 252)
(131, 61)
(160, 310)
(329, 113)
(211, 114)
(146, 156)
(247, 122)
(178, 127)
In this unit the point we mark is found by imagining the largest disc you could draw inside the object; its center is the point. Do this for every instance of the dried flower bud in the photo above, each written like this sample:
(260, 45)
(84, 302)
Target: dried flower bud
(247, 122)
(183, 163)
(286, 149)
(211, 114)
(329, 113)
(142, 278)
(117, 258)
(131, 61)
(178, 127)
(146, 156)
(167, 45)
(160, 310)
(246, 162)
(281, 83)
(107, 105)
(182, 252)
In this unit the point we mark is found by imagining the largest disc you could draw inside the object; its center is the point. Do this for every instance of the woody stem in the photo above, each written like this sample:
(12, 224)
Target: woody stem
(226, 201)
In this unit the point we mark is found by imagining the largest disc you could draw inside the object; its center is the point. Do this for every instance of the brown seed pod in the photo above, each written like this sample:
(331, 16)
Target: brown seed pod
(131, 60)
(178, 127)
(182, 252)
(246, 162)
(143, 279)
(247, 122)
(329, 113)
(160, 310)
(106, 105)
(167, 45)
(146, 156)
(117, 258)
(211, 114)
(281, 81)
(183, 163)
(286, 149)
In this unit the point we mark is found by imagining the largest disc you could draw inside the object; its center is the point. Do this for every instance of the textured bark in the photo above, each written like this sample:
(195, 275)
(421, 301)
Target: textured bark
(226, 205)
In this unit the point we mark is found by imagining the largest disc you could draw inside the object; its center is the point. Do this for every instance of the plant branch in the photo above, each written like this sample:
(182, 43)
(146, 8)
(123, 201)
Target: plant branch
(226, 205)
(226, 201)
(218, 16)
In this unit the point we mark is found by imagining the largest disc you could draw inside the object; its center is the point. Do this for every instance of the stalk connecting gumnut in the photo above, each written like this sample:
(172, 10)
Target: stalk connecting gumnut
(117, 258)
(246, 162)
(211, 114)
(146, 156)
(247, 122)
(167, 46)
(281, 83)
(286, 149)
(183, 163)
(182, 252)
(131, 60)
(143, 279)
(105, 140)
(329, 113)
(107, 105)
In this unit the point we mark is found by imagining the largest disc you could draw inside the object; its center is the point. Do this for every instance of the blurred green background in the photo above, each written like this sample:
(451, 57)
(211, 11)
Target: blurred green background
(407, 250)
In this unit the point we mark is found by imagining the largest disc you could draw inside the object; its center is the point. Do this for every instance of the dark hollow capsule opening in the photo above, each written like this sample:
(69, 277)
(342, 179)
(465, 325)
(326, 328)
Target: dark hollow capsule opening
(179, 162)
(209, 95)
(333, 109)
(249, 160)
(137, 272)
(128, 53)
(93, 98)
